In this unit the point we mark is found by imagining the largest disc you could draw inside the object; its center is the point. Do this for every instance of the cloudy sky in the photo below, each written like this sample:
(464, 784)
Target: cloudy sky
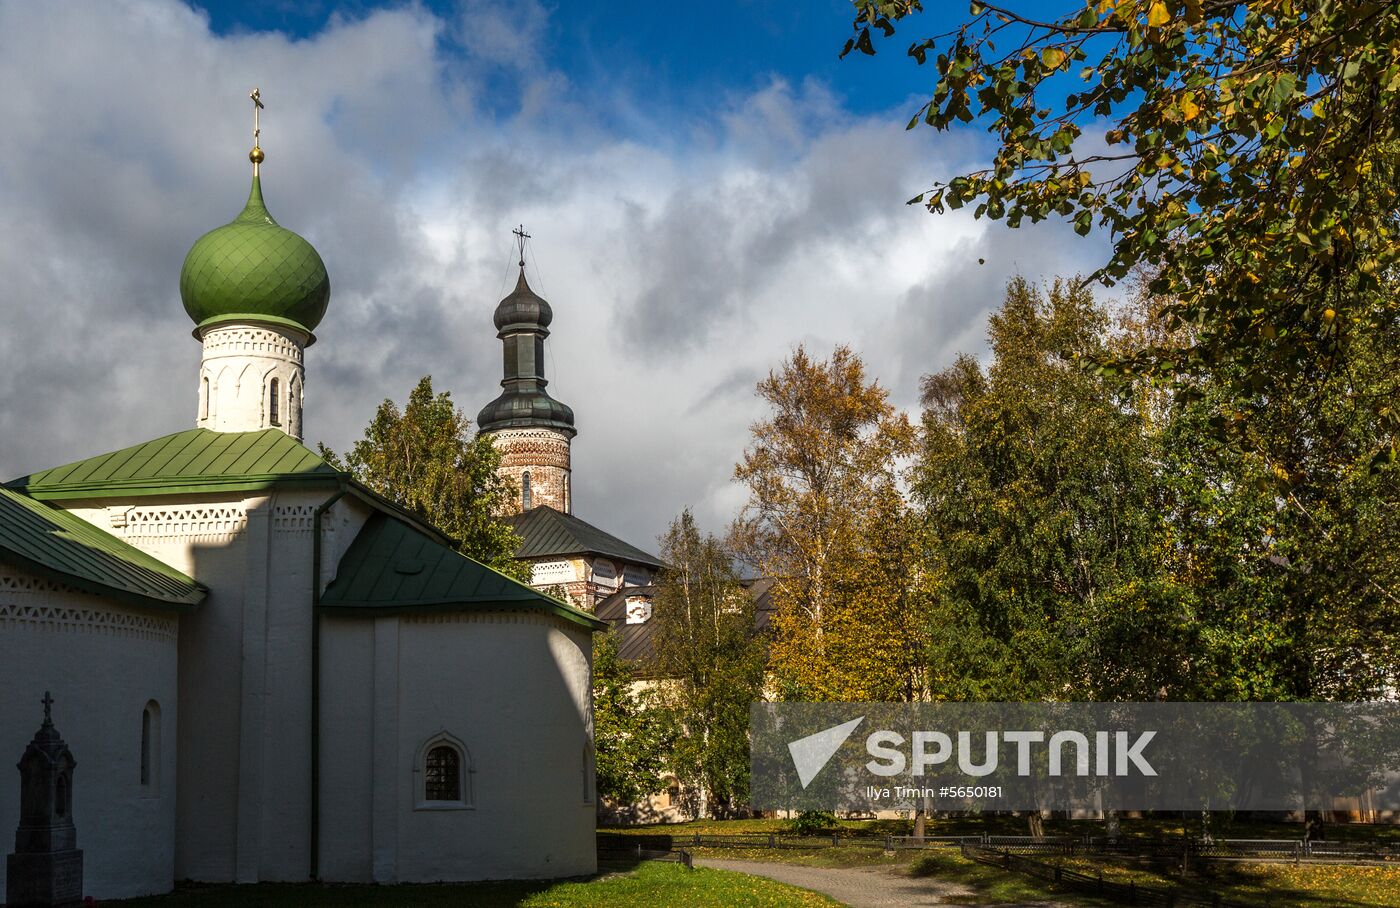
(706, 190)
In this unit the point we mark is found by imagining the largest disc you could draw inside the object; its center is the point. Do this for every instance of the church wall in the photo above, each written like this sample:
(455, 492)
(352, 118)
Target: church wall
(511, 692)
(347, 749)
(104, 663)
(245, 672)
(207, 539)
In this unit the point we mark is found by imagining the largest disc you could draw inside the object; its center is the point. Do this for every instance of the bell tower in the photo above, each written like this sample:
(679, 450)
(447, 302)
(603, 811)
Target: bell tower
(532, 430)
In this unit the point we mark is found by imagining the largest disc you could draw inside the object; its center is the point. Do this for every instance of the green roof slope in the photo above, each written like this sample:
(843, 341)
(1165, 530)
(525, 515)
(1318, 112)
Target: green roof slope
(196, 459)
(58, 545)
(545, 532)
(393, 567)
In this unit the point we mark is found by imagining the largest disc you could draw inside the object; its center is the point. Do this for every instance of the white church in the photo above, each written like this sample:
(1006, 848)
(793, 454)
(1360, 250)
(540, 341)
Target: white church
(264, 670)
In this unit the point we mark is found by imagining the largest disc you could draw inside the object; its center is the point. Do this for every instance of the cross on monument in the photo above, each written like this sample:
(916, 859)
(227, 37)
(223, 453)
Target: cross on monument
(520, 237)
(48, 708)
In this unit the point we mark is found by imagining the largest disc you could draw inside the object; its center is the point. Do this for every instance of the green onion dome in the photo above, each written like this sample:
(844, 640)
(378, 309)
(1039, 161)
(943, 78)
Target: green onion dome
(252, 269)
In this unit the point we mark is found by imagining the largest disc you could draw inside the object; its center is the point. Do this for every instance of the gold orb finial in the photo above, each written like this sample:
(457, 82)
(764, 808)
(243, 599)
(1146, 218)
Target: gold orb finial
(256, 155)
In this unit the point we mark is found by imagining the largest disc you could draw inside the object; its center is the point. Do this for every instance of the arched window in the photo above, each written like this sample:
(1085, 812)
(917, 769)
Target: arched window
(525, 496)
(272, 402)
(204, 398)
(150, 749)
(444, 774)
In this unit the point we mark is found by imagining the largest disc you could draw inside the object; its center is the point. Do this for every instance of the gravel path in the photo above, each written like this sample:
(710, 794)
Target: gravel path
(865, 887)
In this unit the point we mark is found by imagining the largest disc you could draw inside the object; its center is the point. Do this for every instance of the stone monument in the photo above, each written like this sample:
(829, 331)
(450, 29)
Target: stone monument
(47, 867)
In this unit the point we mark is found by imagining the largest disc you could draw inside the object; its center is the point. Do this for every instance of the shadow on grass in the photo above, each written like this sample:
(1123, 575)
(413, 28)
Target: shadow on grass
(329, 895)
(1262, 885)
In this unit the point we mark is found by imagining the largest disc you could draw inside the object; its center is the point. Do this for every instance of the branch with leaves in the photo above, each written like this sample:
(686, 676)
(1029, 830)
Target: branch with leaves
(1244, 151)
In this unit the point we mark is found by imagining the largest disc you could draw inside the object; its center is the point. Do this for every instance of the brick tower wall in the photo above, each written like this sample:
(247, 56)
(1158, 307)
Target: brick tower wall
(544, 454)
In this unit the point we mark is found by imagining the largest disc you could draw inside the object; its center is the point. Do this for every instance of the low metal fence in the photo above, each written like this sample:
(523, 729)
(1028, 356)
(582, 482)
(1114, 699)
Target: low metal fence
(1296, 850)
(1290, 850)
(1127, 893)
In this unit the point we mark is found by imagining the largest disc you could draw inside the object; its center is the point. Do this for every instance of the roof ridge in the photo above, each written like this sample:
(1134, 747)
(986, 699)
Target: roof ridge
(196, 457)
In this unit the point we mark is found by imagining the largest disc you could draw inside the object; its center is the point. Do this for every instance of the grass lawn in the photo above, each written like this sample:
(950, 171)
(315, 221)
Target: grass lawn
(650, 884)
(1301, 886)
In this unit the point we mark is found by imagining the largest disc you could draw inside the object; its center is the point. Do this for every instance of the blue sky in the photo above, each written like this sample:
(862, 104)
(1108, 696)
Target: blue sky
(679, 55)
(708, 187)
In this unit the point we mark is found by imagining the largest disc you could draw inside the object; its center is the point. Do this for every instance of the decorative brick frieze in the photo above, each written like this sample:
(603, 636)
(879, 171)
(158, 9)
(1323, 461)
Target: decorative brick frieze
(296, 519)
(217, 523)
(77, 619)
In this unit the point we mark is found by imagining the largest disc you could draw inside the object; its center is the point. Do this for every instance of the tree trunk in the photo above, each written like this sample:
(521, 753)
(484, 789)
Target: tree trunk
(1036, 823)
(1314, 825)
(1112, 826)
(920, 822)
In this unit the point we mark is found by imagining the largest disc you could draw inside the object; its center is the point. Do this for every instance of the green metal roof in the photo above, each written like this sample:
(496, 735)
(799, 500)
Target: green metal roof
(58, 545)
(251, 268)
(545, 532)
(392, 567)
(193, 460)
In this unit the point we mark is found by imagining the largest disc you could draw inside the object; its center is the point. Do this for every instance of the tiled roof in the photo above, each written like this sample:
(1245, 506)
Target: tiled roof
(546, 533)
(392, 567)
(636, 643)
(196, 459)
(63, 547)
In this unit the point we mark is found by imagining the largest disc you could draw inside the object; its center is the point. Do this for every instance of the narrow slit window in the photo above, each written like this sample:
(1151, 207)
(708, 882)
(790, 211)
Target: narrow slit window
(150, 750)
(204, 398)
(443, 774)
(272, 402)
(525, 496)
(146, 746)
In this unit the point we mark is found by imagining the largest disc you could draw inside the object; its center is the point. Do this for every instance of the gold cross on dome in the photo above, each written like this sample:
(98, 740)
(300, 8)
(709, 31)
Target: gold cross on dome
(256, 155)
(256, 96)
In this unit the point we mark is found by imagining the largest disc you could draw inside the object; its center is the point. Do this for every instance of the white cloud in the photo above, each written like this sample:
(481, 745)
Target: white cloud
(680, 271)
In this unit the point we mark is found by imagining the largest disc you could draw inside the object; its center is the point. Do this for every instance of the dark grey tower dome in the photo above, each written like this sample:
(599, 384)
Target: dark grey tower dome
(522, 323)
